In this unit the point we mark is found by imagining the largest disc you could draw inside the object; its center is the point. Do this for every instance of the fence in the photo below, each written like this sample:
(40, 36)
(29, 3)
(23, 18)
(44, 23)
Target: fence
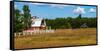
(33, 32)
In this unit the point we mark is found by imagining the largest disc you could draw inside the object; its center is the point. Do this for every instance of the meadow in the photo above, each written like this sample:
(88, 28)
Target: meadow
(61, 37)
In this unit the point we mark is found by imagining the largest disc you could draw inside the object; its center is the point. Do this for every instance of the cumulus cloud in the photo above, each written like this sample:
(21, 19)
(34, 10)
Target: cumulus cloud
(92, 10)
(79, 10)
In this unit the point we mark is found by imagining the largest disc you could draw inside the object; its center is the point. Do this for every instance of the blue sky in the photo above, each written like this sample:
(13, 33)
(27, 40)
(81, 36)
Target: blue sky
(52, 11)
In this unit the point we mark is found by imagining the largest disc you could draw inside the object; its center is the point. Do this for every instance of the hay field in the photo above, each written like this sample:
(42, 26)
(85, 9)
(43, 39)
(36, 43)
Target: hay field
(61, 37)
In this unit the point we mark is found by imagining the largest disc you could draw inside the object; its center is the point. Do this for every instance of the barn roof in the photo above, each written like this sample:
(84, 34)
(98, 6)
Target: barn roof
(36, 22)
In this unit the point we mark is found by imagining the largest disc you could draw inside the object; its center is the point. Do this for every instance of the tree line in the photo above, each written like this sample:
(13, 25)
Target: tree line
(69, 22)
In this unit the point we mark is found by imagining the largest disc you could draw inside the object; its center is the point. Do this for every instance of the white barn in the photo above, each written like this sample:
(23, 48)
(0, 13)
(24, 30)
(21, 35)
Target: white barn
(38, 23)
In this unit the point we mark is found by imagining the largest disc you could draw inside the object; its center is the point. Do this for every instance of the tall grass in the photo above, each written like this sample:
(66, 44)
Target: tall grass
(61, 37)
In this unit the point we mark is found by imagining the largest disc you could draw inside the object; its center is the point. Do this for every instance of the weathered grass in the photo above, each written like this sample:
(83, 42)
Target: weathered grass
(61, 37)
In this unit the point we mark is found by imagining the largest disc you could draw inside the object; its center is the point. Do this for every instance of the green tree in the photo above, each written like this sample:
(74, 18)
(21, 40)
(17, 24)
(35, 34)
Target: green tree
(69, 25)
(79, 17)
(27, 16)
(18, 26)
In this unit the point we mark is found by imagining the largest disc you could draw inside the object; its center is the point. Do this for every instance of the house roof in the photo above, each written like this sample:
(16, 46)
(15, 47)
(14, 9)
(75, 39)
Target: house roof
(36, 22)
(84, 25)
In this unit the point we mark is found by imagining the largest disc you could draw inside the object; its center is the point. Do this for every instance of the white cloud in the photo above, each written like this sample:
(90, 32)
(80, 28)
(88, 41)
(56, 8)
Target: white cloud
(92, 10)
(21, 12)
(15, 6)
(37, 3)
(51, 5)
(79, 10)
(58, 5)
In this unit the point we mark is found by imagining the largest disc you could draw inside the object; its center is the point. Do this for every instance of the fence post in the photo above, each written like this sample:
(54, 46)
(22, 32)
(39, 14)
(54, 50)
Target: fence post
(15, 34)
(19, 33)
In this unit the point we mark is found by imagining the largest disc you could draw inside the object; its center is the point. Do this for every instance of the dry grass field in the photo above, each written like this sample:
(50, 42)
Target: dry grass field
(61, 37)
